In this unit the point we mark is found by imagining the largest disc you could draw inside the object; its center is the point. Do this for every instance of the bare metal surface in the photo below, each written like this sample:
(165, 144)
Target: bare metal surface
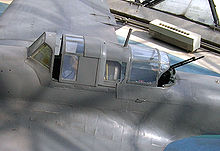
(37, 116)
(23, 21)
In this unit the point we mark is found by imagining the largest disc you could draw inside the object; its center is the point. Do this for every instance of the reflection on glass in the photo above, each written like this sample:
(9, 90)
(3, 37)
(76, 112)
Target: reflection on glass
(80, 48)
(71, 46)
(43, 55)
(78, 39)
(37, 43)
(144, 72)
(69, 68)
(147, 64)
(74, 45)
(165, 64)
(123, 70)
(145, 54)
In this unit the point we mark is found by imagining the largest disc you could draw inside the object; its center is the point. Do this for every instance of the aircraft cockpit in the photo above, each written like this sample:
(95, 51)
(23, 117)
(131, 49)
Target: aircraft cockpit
(83, 60)
(147, 65)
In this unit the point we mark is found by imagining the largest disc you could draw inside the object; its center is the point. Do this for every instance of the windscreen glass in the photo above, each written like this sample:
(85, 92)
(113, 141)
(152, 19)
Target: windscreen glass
(144, 54)
(43, 55)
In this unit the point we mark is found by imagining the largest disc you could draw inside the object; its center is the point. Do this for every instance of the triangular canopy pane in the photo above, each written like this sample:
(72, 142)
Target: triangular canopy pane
(197, 10)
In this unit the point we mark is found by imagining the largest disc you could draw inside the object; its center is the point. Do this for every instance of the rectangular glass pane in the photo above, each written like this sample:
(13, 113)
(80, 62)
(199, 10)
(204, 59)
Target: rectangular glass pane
(69, 67)
(43, 55)
(144, 72)
(74, 47)
(71, 46)
(80, 48)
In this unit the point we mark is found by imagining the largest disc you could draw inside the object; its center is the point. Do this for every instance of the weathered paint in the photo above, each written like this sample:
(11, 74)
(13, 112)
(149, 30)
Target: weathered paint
(36, 115)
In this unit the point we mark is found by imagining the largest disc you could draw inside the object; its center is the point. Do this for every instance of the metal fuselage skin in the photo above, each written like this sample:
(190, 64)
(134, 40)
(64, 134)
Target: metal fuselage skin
(76, 117)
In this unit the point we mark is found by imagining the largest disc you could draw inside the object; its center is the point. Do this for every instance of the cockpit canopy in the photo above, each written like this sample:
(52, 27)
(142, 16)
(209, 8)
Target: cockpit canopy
(90, 61)
(147, 65)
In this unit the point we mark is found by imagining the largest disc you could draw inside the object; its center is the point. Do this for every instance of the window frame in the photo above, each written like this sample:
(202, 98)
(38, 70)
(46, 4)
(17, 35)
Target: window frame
(36, 44)
(119, 71)
(64, 52)
(36, 52)
(134, 58)
(112, 83)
